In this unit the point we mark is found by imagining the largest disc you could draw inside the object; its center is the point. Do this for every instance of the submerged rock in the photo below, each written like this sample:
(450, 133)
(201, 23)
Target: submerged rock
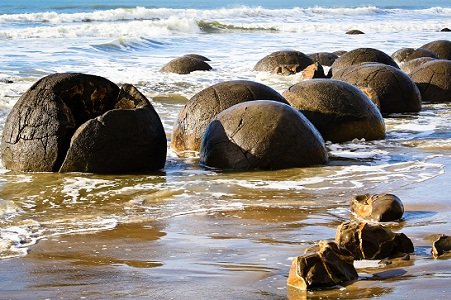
(328, 267)
(284, 62)
(355, 31)
(185, 65)
(261, 135)
(339, 110)
(366, 241)
(378, 207)
(205, 105)
(441, 246)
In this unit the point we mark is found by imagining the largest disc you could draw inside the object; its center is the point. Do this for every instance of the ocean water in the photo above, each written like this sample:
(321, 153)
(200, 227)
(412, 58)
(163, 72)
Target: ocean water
(129, 41)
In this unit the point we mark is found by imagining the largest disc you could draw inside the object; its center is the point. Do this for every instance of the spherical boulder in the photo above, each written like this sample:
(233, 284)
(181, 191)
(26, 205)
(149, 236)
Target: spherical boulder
(406, 54)
(205, 105)
(340, 111)
(410, 65)
(39, 129)
(261, 135)
(284, 62)
(441, 48)
(377, 207)
(434, 80)
(395, 91)
(185, 65)
(323, 58)
(361, 55)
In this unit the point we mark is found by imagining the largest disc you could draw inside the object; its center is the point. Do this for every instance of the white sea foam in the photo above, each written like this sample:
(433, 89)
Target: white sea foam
(74, 186)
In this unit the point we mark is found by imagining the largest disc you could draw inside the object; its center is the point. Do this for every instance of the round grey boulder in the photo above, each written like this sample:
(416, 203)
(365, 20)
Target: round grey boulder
(340, 111)
(323, 58)
(284, 62)
(395, 91)
(434, 80)
(406, 54)
(185, 65)
(205, 105)
(411, 65)
(441, 48)
(261, 135)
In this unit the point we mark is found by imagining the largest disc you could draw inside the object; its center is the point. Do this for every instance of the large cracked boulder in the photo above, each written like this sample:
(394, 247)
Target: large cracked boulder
(284, 62)
(406, 54)
(38, 131)
(261, 135)
(395, 91)
(441, 48)
(361, 55)
(326, 268)
(205, 105)
(340, 111)
(433, 79)
(186, 64)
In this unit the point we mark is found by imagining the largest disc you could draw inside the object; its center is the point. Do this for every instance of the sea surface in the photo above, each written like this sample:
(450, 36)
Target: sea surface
(189, 232)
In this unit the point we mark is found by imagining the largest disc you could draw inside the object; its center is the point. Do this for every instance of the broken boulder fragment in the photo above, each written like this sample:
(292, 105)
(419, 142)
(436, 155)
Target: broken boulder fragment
(378, 207)
(441, 246)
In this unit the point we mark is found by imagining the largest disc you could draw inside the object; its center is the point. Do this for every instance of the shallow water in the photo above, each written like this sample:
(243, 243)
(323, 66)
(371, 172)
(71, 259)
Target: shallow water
(192, 232)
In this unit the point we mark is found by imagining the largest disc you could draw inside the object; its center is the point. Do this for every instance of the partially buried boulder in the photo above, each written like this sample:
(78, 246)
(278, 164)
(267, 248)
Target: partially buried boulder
(395, 91)
(406, 54)
(366, 241)
(339, 110)
(39, 129)
(328, 267)
(433, 79)
(441, 48)
(377, 207)
(361, 55)
(284, 62)
(261, 135)
(441, 246)
(410, 65)
(354, 32)
(205, 105)
(185, 65)
(324, 58)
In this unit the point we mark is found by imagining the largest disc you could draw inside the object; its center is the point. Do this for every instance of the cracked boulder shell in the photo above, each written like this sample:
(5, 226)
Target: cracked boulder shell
(395, 91)
(284, 62)
(39, 128)
(186, 64)
(441, 246)
(340, 111)
(261, 135)
(441, 48)
(205, 105)
(378, 207)
(367, 241)
(434, 80)
(326, 268)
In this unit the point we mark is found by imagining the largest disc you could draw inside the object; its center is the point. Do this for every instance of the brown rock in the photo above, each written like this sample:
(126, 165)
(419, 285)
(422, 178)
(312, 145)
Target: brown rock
(377, 207)
(313, 71)
(441, 246)
(185, 65)
(339, 52)
(205, 105)
(340, 111)
(366, 241)
(284, 62)
(410, 65)
(198, 56)
(324, 58)
(395, 91)
(355, 31)
(406, 54)
(261, 135)
(328, 267)
(441, 48)
(434, 80)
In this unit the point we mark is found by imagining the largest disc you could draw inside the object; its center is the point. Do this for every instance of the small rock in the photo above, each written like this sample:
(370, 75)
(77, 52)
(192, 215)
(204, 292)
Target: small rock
(366, 241)
(355, 31)
(441, 246)
(378, 207)
(446, 29)
(328, 267)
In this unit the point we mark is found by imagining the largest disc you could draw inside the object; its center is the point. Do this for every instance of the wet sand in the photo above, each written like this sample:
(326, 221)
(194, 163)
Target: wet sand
(234, 254)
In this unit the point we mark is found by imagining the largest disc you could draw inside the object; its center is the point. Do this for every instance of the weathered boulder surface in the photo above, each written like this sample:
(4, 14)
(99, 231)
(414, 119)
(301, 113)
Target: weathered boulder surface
(185, 65)
(39, 129)
(366, 241)
(406, 54)
(410, 65)
(205, 105)
(198, 56)
(361, 55)
(441, 48)
(328, 267)
(395, 91)
(378, 207)
(441, 246)
(323, 58)
(433, 79)
(284, 62)
(261, 135)
(120, 140)
(339, 110)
